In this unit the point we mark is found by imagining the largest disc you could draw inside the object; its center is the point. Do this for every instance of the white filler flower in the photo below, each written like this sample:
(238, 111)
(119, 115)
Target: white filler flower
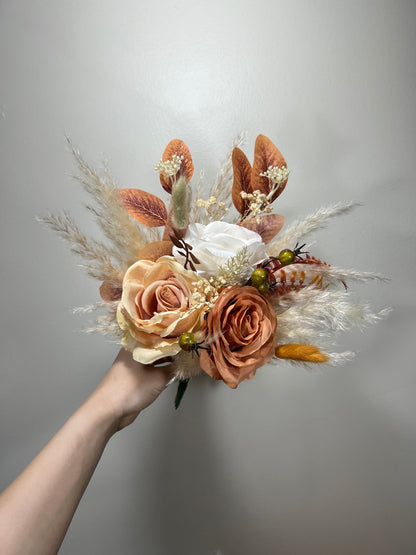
(215, 243)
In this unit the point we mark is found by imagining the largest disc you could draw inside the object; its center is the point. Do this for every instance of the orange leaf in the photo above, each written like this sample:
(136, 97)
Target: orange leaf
(242, 180)
(268, 226)
(144, 207)
(178, 147)
(266, 155)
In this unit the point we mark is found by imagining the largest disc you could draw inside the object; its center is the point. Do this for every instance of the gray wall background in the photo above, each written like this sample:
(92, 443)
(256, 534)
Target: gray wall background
(293, 462)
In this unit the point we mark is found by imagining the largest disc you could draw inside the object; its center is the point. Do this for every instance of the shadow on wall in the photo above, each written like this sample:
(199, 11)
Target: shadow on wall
(184, 489)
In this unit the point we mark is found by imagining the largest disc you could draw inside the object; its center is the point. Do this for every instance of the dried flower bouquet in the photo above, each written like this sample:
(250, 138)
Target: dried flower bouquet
(224, 288)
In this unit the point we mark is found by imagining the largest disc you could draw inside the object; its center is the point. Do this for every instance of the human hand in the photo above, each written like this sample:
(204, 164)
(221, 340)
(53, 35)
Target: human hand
(129, 387)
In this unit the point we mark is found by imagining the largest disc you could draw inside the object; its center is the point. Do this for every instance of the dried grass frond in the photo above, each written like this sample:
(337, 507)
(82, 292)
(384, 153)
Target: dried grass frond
(89, 308)
(97, 256)
(127, 236)
(221, 190)
(314, 314)
(299, 229)
(106, 325)
(332, 275)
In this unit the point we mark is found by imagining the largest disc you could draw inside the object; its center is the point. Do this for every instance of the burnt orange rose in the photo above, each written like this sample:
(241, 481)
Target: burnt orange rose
(240, 330)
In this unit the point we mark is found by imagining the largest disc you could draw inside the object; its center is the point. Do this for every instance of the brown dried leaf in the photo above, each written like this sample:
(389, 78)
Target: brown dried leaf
(144, 207)
(176, 242)
(266, 154)
(193, 257)
(242, 180)
(268, 226)
(109, 291)
(178, 147)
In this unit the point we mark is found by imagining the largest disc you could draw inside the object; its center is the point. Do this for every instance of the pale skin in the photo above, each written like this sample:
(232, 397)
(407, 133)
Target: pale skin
(37, 508)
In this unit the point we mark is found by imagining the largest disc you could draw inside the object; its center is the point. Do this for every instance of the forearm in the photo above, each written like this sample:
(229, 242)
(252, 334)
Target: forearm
(37, 508)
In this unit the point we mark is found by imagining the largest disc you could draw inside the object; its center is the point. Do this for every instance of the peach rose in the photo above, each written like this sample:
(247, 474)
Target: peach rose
(154, 308)
(240, 330)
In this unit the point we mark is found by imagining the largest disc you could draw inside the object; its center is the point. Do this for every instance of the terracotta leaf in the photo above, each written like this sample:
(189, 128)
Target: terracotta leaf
(144, 207)
(153, 251)
(242, 180)
(109, 291)
(268, 226)
(178, 147)
(266, 155)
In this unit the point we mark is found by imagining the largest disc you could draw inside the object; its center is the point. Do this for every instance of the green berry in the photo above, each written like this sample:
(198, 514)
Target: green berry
(263, 288)
(286, 256)
(187, 341)
(259, 277)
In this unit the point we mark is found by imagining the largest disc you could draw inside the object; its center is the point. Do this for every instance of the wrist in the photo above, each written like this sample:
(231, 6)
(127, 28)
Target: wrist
(102, 412)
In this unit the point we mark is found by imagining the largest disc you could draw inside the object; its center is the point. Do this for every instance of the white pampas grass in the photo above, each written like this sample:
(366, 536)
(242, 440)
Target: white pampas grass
(299, 229)
(333, 275)
(312, 315)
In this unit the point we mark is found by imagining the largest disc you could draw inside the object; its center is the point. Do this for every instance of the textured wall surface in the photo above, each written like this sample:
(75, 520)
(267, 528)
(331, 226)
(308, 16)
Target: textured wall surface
(293, 462)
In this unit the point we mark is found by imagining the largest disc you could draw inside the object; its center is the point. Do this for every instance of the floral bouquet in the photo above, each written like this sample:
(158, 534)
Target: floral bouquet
(213, 284)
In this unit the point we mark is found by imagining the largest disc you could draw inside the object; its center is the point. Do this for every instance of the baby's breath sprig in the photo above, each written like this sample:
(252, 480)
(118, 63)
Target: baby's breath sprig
(259, 204)
(204, 295)
(214, 208)
(169, 168)
(277, 176)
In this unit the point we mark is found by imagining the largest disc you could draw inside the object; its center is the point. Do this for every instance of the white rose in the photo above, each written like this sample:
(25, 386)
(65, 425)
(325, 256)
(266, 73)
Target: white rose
(215, 243)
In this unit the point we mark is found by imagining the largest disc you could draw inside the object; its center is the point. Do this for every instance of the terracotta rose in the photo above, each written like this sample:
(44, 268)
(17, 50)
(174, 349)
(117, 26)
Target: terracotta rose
(240, 331)
(154, 308)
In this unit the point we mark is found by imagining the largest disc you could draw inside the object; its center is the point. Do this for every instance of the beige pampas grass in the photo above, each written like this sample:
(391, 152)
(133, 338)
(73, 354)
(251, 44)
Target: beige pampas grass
(97, 259)
(126, 236)
(220, 190)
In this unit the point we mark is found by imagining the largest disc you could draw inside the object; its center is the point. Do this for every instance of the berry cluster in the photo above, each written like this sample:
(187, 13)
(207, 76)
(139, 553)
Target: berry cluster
(263, 280)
